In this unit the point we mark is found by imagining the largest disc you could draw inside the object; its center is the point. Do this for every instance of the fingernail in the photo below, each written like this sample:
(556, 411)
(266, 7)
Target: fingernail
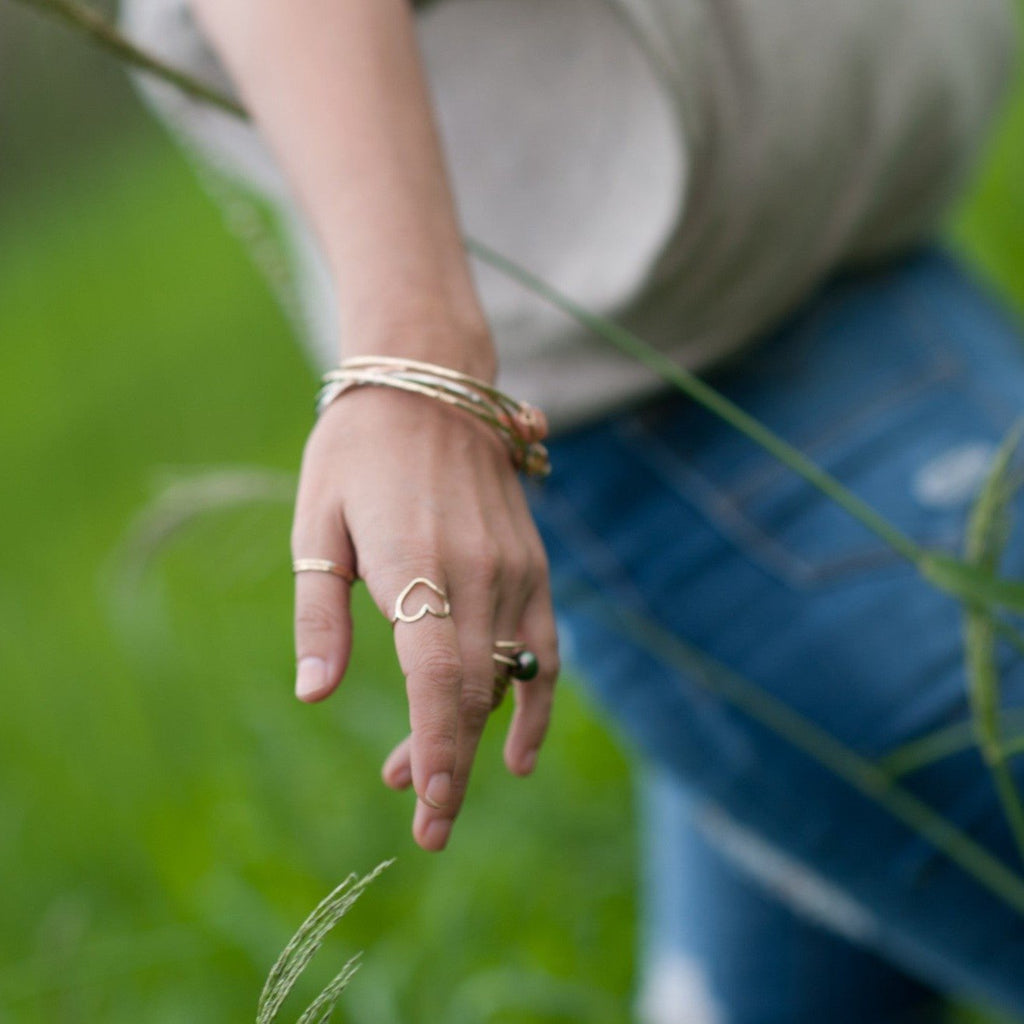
(439, 791)
(437, 833)
(529, 761)
(311, 677)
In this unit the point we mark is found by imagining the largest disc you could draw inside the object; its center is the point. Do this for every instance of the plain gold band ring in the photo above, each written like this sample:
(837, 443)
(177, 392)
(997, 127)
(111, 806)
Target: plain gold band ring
(323, 565)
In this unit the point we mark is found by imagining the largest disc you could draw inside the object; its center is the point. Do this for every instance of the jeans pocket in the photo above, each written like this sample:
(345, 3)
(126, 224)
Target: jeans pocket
(876, 387)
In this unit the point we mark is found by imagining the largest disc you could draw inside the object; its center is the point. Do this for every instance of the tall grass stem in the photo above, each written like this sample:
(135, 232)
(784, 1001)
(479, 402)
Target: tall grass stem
(988, 532)
(103, 34)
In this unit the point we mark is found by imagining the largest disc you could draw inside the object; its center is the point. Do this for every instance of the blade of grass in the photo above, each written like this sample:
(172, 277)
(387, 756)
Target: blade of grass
(988, 529)
(972, 584)
(307, 940)
(104, 35)
(319, 1011)
(942, 743)
(184, 500)
(987, 534)
(983, 677)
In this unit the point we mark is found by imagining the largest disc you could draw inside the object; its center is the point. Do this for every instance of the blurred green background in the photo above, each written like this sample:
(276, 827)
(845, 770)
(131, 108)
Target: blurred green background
(169, 811)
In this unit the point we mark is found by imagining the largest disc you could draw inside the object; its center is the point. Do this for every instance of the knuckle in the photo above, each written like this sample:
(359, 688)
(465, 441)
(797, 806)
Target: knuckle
(475, 707)
(435, 733)
(314, 618)
(519, 568)
(441, 743)
(419, 557)
(484, 565)
(387, 580)
(439, 663)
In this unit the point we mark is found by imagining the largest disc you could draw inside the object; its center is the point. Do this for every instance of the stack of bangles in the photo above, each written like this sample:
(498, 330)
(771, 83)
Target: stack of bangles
(520, 425)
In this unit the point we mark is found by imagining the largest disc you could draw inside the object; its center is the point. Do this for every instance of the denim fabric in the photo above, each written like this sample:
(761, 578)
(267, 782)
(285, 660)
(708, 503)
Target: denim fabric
(901, 382)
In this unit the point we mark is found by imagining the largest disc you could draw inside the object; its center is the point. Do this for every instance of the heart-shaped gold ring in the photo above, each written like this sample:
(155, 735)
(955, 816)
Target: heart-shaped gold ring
(425, 609)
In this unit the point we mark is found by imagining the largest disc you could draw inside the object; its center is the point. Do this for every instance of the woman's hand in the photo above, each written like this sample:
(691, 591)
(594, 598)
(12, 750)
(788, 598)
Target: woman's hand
(396, 486)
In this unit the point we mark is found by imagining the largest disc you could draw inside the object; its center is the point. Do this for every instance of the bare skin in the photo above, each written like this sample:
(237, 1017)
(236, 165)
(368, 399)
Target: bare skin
(395, 486)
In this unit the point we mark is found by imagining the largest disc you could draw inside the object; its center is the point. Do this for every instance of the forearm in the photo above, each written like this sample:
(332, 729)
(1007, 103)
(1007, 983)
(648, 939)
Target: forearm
(337, 89)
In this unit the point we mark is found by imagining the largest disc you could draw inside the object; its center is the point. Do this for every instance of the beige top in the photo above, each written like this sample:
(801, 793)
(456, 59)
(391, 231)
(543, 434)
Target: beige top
(691, 167)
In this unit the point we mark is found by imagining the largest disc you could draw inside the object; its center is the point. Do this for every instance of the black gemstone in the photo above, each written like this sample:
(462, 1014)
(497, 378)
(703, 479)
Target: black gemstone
(527, 666)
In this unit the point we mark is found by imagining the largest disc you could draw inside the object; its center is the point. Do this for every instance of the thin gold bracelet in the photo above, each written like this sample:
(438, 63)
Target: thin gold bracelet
(526, 419)
(520, 425)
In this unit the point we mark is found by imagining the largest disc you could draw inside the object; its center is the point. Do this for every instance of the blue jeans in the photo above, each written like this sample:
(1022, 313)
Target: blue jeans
(779, 890)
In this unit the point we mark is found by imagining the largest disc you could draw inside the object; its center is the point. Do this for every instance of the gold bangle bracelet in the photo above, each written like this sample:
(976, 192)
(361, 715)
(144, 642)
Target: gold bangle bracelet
(520, 425)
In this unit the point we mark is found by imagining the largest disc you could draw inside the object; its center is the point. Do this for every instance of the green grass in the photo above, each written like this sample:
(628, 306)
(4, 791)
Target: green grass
(170, 811)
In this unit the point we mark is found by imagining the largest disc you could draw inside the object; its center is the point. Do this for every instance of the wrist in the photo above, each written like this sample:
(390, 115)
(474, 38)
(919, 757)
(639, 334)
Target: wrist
(462, 343)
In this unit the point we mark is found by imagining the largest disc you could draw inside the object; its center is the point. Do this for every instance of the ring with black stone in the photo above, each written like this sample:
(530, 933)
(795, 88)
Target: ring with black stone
(521, 662)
